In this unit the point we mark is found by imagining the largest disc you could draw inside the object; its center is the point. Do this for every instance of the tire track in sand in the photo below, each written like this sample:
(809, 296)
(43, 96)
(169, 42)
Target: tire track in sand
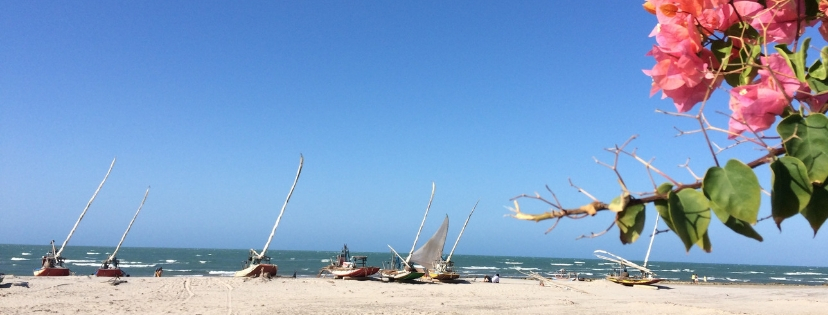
(229, 298)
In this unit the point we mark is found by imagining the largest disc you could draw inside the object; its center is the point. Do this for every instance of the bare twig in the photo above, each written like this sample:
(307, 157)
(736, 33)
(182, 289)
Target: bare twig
(594, 235)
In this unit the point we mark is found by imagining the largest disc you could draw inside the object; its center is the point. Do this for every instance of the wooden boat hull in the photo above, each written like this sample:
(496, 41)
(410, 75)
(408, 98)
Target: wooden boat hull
(396, 275)
(116, 272)
(267, 270)
(353, 272)
(52, 272)
(634, 281)
(444, 276)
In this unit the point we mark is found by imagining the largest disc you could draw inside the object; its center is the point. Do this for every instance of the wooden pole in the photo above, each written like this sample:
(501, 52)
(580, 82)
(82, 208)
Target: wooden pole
(111, 257)
(272, 232)
(84, 209)
(461, 232)
(421, 224)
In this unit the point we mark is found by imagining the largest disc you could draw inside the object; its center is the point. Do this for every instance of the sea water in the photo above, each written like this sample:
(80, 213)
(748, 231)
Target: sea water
(205, 262)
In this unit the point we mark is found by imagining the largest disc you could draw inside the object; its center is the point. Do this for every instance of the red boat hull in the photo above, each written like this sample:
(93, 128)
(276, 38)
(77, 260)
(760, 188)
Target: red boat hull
(117, 272)
(52, 272)
(355, 273)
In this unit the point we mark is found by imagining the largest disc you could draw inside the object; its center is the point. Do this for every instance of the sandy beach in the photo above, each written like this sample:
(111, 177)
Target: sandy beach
(220, 295)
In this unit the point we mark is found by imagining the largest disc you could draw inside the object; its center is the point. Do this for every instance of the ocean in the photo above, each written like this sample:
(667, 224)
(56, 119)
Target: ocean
(21, 260)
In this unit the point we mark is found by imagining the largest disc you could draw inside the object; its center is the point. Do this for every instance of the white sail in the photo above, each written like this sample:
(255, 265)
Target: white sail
(432, 250)
(111, 257)
(272, 232)
(84, 209)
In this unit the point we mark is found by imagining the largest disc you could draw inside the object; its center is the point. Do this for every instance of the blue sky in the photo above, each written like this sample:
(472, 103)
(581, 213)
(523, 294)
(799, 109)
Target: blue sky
(211, 103)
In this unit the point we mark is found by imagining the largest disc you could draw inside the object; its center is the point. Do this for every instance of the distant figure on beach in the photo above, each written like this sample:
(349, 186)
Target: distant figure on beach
(486, 278)
(695, 278)
(625, 274)
(159, 271)
(496, 278)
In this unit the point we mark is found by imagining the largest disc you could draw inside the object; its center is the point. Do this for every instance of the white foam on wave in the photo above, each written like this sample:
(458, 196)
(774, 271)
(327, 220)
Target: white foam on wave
(180, 270)
(513, 263)
(202, 261)
(671, 270)
(737, 280)
(92, 253)
(325, 260)
(480, 268)
(136, 265)
(779, 278)
(803, 273)
(523, 268)
(579, 262)
(558, 264)
(181, 276)
(25, 254)
(18, 258)
(222, 273)
(687, 270)
(171, 261)
(93, 264)
(74, 261)
(748, 272)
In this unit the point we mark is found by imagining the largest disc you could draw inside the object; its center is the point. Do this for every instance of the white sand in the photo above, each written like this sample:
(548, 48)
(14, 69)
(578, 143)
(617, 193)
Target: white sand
(219, 295)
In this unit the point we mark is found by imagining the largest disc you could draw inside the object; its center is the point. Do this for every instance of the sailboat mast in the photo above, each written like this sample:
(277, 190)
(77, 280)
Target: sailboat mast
(84, 209)
(111, 257)
(652, 237)
(272, 232)
(461, 232)
(421, 225)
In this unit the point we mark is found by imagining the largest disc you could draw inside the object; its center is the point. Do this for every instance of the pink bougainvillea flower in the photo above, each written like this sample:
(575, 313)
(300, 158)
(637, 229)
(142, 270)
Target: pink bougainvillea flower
(686, 79)
(778, 23)
(754, 107)
(678, 39)
(783, 79)
(815, 102)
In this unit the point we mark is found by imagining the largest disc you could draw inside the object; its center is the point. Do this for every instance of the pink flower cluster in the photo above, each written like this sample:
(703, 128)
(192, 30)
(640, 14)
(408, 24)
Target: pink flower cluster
(687, 72)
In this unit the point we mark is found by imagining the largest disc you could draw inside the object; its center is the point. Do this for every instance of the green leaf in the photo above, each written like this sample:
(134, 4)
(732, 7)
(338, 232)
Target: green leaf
(796, 60)
(749, 71)
(662, 206)
(722, 50)
(811, 8)
(690, 212)
(791, 189)
(619, 203)
(631, 222)
(738, 226)
(733, 191)
(817, 209)
(807, 139)
(704, 243)
(818, 73)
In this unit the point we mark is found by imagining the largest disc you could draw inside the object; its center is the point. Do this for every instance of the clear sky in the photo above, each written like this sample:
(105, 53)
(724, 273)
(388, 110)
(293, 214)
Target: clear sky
(211, 103)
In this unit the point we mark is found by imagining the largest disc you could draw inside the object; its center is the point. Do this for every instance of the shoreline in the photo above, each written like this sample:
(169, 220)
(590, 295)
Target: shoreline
(227, 295)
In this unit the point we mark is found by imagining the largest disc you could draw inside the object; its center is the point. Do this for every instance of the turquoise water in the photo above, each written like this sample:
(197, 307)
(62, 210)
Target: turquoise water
(142, 261)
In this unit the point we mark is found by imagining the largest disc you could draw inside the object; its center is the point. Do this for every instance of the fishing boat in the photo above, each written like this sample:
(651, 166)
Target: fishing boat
(622, 276)
(109, 267)
(346, 266)
(258, 264)
(52, 264)
(443, 270)
(398, 268)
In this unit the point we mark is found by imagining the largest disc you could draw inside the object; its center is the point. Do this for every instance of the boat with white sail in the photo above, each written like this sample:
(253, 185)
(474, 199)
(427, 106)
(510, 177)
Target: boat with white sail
(52, 264)
(401, 269)
(441, 270)
(258, 264)
(109, 267)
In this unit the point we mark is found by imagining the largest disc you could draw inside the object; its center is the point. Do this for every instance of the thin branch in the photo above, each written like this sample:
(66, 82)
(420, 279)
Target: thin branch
(594, 235)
